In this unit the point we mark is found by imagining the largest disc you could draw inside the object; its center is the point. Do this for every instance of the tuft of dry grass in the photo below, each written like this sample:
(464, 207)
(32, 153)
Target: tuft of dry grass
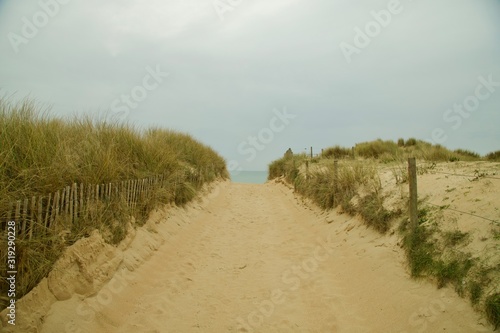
(329, 188)
(389, 151)
(493, 156)
(337, 152)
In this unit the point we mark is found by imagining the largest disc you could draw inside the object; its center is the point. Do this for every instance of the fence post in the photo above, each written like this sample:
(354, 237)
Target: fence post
(412, 176)
(335, 181)
(311, 153)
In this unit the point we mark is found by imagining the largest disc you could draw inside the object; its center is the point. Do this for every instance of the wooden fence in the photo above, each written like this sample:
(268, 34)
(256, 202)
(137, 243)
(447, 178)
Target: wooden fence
(42, 214)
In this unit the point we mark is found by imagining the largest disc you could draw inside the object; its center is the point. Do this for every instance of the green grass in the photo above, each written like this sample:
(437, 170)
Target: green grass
(456, 237)
(376, 149)
(41, 154)
(420, 251)
(494, 156)
(453, 271)
(493, 309)
(337, 152)
(435, 254)
(372, 210)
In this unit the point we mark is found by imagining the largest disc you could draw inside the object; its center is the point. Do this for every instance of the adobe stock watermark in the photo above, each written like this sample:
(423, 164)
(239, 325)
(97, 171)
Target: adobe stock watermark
(221, 7)
(460, 111)
(120, 107)
(372, 29)
(292, 279)
(255, 143)
(31, 27)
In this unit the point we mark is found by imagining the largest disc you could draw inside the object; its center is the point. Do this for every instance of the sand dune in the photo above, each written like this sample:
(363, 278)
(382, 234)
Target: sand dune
(254, 258)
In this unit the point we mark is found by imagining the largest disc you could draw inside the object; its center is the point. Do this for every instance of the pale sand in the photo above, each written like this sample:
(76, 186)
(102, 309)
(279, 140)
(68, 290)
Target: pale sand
(251, 258)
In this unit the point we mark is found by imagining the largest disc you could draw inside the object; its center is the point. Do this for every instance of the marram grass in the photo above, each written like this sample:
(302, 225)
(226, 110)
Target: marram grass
(41, 154)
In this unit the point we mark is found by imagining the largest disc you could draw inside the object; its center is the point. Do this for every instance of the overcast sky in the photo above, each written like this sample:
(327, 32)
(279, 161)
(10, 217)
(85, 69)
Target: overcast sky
(252, 78)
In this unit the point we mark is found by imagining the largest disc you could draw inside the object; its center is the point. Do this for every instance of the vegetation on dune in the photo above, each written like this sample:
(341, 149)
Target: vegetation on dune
(352, 183)
(40, 154)
(493, 309)
(494, 156)
(388, 151)
(337, 152)
(329, 188)
(439, 256)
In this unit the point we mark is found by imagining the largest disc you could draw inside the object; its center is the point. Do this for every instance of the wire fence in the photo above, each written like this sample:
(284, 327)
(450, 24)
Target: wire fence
(421, 170)
(471, 177)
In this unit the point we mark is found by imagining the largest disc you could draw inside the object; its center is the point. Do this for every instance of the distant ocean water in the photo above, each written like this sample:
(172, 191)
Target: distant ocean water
(249, 177)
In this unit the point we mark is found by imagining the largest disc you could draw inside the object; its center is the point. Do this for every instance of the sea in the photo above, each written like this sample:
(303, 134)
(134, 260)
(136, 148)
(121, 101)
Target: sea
(249, 177)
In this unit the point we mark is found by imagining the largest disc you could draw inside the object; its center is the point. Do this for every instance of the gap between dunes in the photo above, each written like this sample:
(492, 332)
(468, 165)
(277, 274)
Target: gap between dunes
(254, 258)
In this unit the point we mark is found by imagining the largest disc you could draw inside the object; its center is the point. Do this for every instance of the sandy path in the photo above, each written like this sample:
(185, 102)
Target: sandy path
(257, 260)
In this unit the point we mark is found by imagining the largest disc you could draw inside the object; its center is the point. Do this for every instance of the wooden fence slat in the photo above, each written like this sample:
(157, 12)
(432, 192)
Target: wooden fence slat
(9, 215)
(89, 196)
(67, 200)
(80, 212)
(130, 194)
(62, 198)
(39, 220)
(97, 193)
(122, 193)
(24, 218)
(143, 190)
(75, 202)
(55, 210)
(41, 214)
(32, 217)
(47, 212)
(71, 202)
(17, 215)
(136, 192)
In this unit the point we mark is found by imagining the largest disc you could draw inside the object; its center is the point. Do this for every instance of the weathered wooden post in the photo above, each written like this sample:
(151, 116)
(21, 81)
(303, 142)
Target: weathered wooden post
(412, 176)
